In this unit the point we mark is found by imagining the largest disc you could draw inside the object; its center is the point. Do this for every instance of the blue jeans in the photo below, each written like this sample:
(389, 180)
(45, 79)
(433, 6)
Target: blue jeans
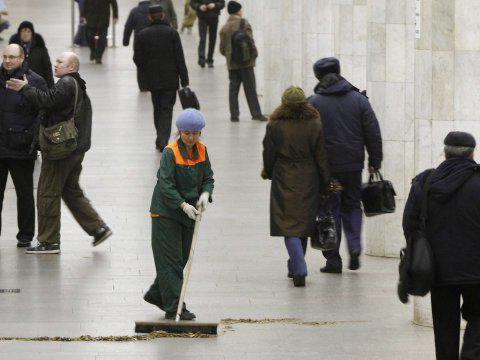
(296, 248)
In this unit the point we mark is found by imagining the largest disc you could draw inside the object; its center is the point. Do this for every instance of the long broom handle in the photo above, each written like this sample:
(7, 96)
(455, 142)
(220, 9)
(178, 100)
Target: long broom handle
(188, 266)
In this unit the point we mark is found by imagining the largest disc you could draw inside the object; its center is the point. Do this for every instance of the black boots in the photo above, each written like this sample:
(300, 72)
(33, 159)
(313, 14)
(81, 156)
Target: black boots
(299, 280)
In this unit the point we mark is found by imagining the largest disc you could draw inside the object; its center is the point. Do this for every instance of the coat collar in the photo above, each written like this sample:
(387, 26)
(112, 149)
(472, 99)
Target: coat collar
(184, 151)
(234, 17)
(159, 22)
(17, 74)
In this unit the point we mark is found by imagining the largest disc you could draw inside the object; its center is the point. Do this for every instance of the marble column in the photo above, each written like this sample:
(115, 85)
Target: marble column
(390, 84)
(447, 96)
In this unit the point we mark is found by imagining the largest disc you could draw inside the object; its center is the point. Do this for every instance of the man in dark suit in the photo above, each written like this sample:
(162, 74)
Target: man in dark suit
(159, 55)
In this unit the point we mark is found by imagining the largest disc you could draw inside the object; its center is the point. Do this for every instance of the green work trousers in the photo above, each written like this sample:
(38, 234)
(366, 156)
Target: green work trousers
(171, 243)
(59, 180)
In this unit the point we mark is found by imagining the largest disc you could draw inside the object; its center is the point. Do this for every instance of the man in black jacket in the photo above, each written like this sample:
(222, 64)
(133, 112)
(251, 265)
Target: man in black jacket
(18, 120)
(208, 12)
(350, 126)
(96, 15)
(159, 55)
(453, 229)
(60, 178)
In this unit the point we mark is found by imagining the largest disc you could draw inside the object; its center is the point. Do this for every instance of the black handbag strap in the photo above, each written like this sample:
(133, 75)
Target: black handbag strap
(424, 204)
(377, 174)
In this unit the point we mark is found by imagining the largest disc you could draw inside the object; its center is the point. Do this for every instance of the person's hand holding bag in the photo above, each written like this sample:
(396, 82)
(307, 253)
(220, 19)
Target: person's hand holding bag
(189, 210)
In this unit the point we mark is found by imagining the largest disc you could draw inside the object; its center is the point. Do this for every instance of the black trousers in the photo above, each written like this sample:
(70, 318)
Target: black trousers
(21, 171)
(210, 25)
(446, 321)
(97, 46)
(246, 77)
(163, 101)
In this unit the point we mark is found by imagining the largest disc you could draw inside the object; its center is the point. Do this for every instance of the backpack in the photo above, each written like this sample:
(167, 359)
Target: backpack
(243, 49)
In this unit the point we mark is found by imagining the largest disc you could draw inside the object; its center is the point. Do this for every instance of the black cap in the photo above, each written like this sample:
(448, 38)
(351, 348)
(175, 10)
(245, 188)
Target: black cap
(233, 7)
(460, 138)
(155, 9)
(326, 66)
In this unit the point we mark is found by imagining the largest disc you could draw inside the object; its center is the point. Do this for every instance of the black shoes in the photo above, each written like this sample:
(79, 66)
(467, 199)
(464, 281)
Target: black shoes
(201, 62)
(354, 260)
(210, 64)
(260, 118)
(151, 300)
(44, 248)
(234, 119)
(98, 61)
(185, 315)
(24, 242)
(331, 270)
(299, 280)
(101, 235)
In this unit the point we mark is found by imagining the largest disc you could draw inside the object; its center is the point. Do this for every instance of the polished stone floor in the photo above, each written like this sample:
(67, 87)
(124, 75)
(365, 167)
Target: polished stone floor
(238, 272)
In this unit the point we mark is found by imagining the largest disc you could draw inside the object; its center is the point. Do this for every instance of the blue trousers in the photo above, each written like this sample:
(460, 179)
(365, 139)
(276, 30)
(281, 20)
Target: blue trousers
(347, 213)
(296, 248)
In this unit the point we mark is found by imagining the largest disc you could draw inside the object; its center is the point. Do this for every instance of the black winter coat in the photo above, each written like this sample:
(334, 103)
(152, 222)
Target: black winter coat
(294, 158)
(18, 117)
(97, 12)
(453, 224)
(58, 103)
(159, 55)
(349, 125)
(36, 57)
(136, 22)
(215, 12)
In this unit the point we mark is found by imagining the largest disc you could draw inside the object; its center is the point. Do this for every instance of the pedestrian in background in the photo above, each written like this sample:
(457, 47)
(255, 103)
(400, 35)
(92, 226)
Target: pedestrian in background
(184, 187)
(294, 158)
(36, 52)
(189, 17)
(208, 12)
(80, 38)
(350, 126)
(4, 23)
(59, 179)
(159, 55)
(96, 16)
(136, 22)
(18, 121)
(240, 73)
(453, 225)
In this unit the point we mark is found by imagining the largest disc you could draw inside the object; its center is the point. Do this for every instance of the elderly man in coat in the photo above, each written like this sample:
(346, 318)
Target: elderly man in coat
(294, 158)
(350, 126)
(453, 229)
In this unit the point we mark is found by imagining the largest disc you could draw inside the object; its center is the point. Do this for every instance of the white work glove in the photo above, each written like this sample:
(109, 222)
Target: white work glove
(189, 210)
(203, 201)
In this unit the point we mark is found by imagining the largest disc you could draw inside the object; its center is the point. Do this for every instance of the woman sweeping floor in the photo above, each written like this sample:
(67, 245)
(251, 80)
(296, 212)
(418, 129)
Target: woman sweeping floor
(184, 187)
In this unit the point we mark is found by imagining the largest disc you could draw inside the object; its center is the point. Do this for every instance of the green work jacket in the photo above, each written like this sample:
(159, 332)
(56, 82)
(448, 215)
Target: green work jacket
(181, 178)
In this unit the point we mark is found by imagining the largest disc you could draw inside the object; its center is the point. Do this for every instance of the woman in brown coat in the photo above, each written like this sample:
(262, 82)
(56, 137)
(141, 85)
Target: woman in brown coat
(294, 159)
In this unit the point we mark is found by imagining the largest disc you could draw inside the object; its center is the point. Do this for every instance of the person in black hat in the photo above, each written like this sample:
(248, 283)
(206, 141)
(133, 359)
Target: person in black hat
(158, 53)
(453, 228)
(208, 12)
(350, 127)
(36, 53)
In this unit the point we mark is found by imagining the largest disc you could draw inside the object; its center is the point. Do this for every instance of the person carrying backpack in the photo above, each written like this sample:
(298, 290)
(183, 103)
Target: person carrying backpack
(238, 46)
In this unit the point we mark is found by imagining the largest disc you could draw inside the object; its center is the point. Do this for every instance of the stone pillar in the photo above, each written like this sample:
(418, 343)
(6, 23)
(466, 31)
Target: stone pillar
(447, 96)
(390, 84)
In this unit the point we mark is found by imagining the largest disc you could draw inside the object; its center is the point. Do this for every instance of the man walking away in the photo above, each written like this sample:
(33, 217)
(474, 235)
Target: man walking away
(453, 226)
(208, 12)
(350, 126)
(236, 37)
(18, 120)
(96, 16)
(136, 22)
(159, 55)
(59, 179)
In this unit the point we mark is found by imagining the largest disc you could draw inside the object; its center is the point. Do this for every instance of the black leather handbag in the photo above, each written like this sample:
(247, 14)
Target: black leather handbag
(325, 236)
(378, 196)
(417, 265)
(188, 99)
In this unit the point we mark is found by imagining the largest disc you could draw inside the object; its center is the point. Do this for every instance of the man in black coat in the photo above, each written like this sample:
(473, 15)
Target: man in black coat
(208, 12)
(453, 229)
(36, 52)
(159, 54)
(18, 120)
(136, 22)
(96, 15)
(350, 126)
(59, 179)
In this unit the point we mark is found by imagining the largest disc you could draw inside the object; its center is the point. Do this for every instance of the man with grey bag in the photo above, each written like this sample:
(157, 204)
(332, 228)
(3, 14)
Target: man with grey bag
(64, 138)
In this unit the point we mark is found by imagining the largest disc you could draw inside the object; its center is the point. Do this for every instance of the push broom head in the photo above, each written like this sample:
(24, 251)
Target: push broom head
(176, 327)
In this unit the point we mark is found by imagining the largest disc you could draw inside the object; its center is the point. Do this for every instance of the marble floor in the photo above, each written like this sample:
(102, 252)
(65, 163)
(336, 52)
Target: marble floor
(238, 272)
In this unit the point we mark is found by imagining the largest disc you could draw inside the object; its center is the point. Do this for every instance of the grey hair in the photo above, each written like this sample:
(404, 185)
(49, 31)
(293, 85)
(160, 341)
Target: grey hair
(457, 151)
